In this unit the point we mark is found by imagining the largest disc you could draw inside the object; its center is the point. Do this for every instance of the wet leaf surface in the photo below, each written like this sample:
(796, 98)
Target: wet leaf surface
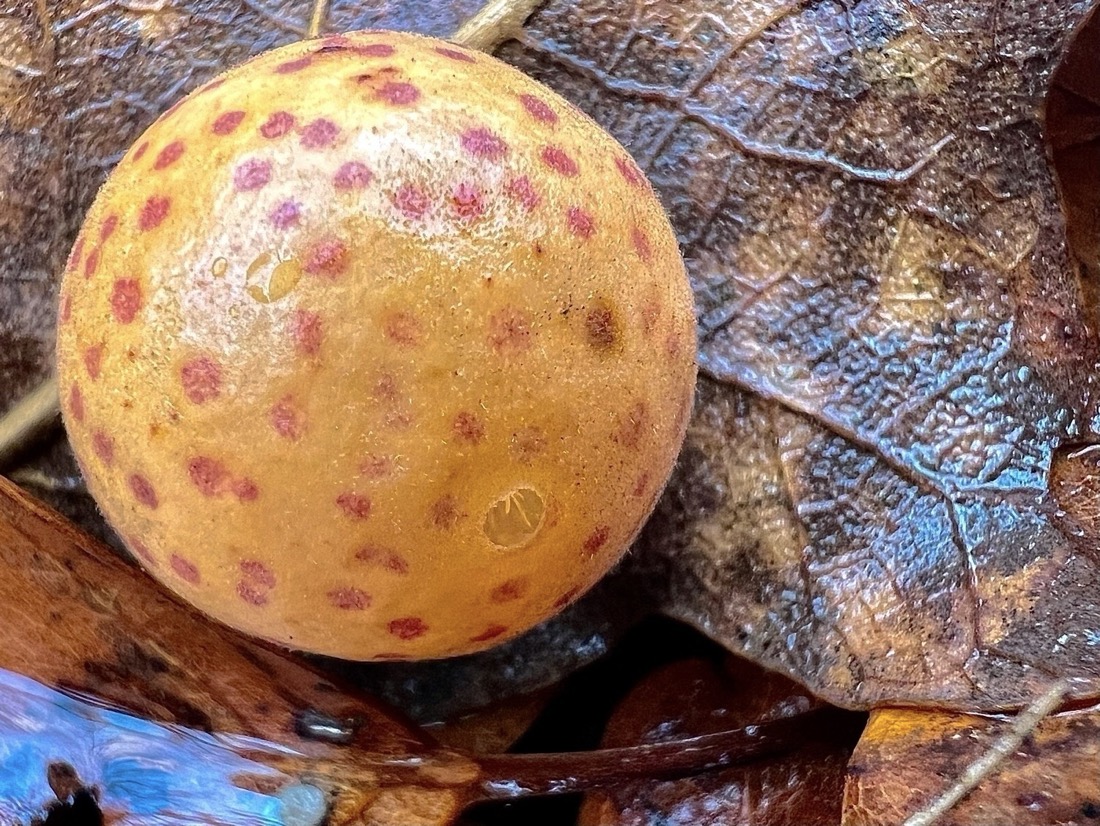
(907, 758)
(897, 345)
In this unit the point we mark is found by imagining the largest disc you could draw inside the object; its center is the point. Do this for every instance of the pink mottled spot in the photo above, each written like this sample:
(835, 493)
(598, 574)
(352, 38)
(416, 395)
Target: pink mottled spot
(630, 172)
(560, 162)
(383, 558)
(484, 143)
(169, 155)
(287, 420)
(580, 222)
(377, 467)
(185, 569)
(398, 93)
(77, 251)
(521, 189)
(510, 331)
(76, 403)
(201, 377)
(277, 125)
(336, 42)
(403, 329)
(490, 633)
(386, 388)
(104, 447)
(408, 628)
(252, 594)
(327, 257)
(291, 66)
(153, 212)
(641, 485)
(566, 598)
(252, 174)
(257, 573)
(412, 201)
(353, 505)
(641, 245)
(508, 591)
(375, 50)
(600, 328)
(227, 122)
(91, 262)
(245, 489)
(109, 227)
(319, 134)
(445, 513)
(93, 360)
(467, 201)
(142, 148)
(352, 175)
(140, 550)
(469, 427)
(125, 300)
(349, 599)
(65, 311)
(538, 109)
(208, 475)
(455, 54)
(632, 427)
(596, 540)
(307, 332)
(527, 443)
(143, 491)
(286, 214)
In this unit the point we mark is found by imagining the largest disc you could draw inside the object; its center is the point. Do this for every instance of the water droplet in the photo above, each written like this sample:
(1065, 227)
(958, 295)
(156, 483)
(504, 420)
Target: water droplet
(269, 278)
(219, 267)
(514, 518)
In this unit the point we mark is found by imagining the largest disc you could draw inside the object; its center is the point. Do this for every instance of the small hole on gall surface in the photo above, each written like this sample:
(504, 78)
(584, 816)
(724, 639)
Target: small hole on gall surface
(515, 518)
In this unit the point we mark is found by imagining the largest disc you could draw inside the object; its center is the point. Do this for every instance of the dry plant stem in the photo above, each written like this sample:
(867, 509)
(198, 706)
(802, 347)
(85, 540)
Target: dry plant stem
(497, 22)
(1026, 723)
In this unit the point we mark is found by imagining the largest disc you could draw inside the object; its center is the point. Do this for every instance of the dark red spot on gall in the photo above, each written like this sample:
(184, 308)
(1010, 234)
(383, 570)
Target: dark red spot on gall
(142, 148)
(169, 155)
(286, 215)
(227, 122)
(104, 447)
(257, 573)
(245, 490)
(630, 172)
(377, 467)
(521, 189)
(349, 599)
(566, 598)
(125, 300)
(352, 175)
(201, 377)
(327, 257)
(65, 311)
(307, 331)
(336, 42)
(91, 262)
(632, 427)
(77, 251)
(140, 550)
(319, 134)
(580, 222)
(490, 633)
(641, 245)
(208, 475)
(287, 420)
(383, 558)
(412, 201)
(375, 50)
(398, 93)
(560, 162)
(527, 443)
(484, 143)
(538, 109)
(467, 201)
(599, 328)
(596, 540)
(445, 513)
(292, 66)
(403, 329)
(510, 331)
(153, 212)
(212, 85)
(353, 505)
(277, 125)
(76, 403)
(641, 485)
(455, 54)
(185, 569)
(508, 591)
(673, 345)
(93, 360)
(408, 628)
(109, 227)
(252, 174)
(252, 594)
(469, 428)
(143, 491)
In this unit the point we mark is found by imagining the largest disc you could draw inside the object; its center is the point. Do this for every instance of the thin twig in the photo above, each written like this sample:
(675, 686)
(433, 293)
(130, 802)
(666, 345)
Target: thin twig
(31, 416)
(497, 22)
(982, 768)
(318, 18)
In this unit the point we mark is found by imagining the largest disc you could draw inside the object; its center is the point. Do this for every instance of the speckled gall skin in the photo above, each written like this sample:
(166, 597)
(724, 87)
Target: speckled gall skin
(338, 303)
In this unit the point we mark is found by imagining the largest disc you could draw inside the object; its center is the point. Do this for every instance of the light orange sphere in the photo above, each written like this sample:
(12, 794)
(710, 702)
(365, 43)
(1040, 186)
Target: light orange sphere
(377, 348)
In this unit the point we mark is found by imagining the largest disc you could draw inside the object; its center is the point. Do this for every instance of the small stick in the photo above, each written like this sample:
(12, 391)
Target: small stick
(498, 21)
(982, 768)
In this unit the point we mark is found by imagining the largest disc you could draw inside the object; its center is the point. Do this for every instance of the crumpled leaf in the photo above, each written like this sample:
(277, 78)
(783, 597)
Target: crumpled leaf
(907, 758)
(896, 344)
(699, 696)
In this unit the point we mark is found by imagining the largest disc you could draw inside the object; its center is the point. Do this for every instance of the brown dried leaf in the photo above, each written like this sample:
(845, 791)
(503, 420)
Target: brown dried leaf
(699, 696)
(897, 345)
(907, 758)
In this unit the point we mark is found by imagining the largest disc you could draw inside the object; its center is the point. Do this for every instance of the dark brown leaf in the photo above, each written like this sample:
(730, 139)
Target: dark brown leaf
(897, 345)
